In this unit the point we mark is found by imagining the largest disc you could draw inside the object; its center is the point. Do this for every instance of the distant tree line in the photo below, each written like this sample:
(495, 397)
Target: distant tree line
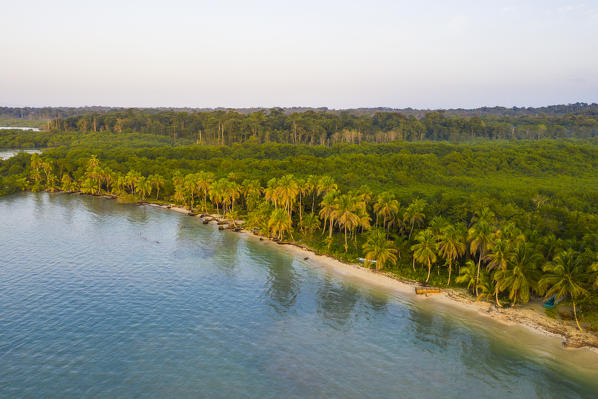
(328, 128)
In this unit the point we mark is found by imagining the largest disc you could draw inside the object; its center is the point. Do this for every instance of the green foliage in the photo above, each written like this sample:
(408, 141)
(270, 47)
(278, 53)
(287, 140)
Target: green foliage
(493, 212)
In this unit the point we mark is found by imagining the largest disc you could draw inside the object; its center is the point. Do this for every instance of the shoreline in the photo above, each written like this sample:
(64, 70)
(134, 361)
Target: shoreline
(526, 317)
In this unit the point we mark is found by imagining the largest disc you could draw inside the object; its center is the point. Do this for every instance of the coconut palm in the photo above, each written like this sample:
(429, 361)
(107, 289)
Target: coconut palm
(203, 182)
(378, 248)
(500, 252)
(218, 193)
(414, 214)
(346, 214)
(191, 191)
(326, 184)
(386, 207)
(272, 193)
(280, 223)
(156, 182)
(288, 189)
(327, 208)
(67, 183)
(467, 275)
(251, 191)
(480, 238)
(131, 180)
(144, 187)
(521, 275)
(424, 251)
(232, 192)
(451, 245)
(311, 188)
(564, 277)
(437, 224)
(310, 223)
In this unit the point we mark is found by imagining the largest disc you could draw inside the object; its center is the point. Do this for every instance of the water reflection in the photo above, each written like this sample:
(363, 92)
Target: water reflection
(187, 243)
(282, 283)
(336, 302)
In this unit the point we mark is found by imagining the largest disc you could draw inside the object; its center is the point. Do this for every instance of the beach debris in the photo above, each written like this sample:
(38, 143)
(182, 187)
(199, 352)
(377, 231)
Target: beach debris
(427, 290)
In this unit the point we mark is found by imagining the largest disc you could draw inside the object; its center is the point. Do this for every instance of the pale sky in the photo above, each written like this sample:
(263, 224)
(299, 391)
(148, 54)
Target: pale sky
(339, 54)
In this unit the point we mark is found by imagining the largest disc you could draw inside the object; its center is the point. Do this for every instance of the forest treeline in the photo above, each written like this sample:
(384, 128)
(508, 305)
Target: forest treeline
(328, 128)
(49, 113)
(506, 220)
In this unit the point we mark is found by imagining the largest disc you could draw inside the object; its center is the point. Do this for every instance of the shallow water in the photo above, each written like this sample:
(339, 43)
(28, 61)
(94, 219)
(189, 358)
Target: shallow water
(100, 299)
(35, 129)
(5, 154)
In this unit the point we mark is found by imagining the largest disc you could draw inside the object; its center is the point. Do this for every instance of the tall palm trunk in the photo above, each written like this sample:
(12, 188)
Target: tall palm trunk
(477, 275)
(496, 295)
(300, 215)
(346, 245)
(575, 314)
(450, 270)
(429, 270)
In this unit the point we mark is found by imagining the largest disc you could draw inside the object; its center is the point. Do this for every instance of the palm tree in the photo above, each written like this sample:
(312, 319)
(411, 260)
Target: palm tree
(378, 248)
(144, 186)
(271, 192)
(203, 182)
(302, 186)
(326, 184)
(468, 275)
(386, 207)
(67, 183)
(310, 223)
(327, 208)
(190, 186)
(251, 190)
(498, 259)
(287, 190)
(109, 177)
(156, 181)
(346, 214)
(521, 275)
(217, 193)
(233, 193)
(279, 223)
(564, 277)
(450, 246)
(131, 180)
(414, 214)
(480, 237)
(424, 251)
(311, 187)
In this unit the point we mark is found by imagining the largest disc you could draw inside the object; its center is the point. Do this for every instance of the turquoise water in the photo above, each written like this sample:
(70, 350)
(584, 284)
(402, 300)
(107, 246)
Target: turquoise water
(106, 300)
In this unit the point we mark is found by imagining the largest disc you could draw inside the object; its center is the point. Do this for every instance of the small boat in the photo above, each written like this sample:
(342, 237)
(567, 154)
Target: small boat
(362, 260)
(550, 303)
(426, 290)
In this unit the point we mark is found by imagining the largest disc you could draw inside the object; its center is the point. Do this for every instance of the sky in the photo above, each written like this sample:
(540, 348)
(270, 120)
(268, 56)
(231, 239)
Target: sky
(337, 54)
